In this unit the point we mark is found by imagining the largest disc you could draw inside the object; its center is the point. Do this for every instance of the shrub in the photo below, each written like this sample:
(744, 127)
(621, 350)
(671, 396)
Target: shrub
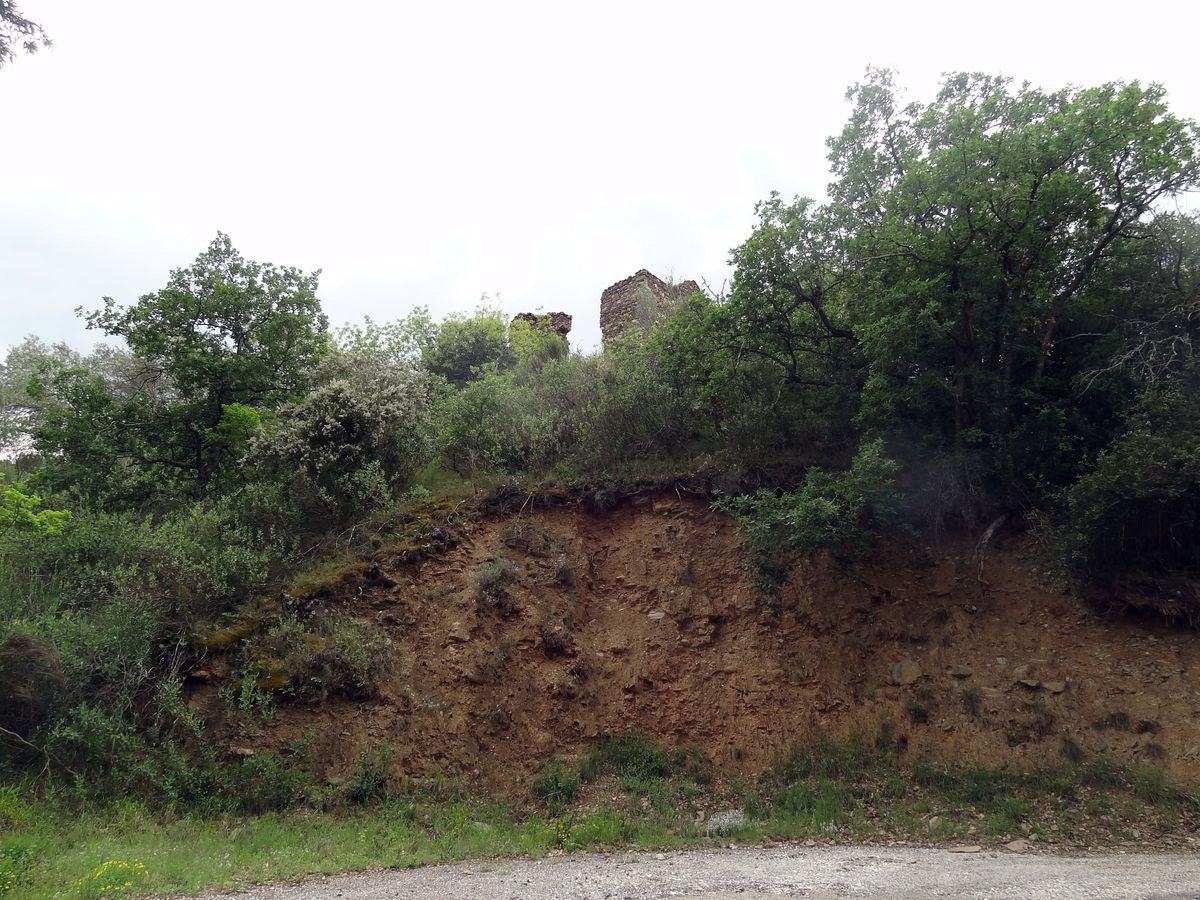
(465, 348)
(491, 586)
(838, 513)
(264, 782)
(557, 639)
(32, 684)
(369, 780)
(634, 414)
(1138, 510)
(336, 656)
(356, 440)
(565, 571)
(555, 787)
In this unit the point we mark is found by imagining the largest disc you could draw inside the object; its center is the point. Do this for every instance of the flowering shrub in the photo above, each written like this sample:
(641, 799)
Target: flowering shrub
(357, 438)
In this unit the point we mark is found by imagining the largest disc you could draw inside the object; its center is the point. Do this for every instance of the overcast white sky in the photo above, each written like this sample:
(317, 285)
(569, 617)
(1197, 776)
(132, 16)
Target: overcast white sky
(425, 153)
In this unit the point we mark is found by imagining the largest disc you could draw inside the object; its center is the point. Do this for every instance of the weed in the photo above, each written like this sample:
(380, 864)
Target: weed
(580, 671)
(918, 713)
(113, 878)
(492, 587)
(1117, 721)
(826, 758)
(1101, 773)
(495, 660)
(1150, 785)
(971, 702)
(369, 782)
(263, 783)
(631, 756)
(48, 847)
(1155, 751)
(887, 741)
(1071, 751)
(15, 812)
(16, 857)
(689, 761)
(500, 719)
(555, 787)
(1037, 724)
(755, 807)
(557, 639)
(247, 697)
(565, 572)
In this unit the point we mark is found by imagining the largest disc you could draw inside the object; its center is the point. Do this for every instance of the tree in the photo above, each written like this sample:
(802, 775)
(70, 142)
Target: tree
(469, 347)
(958, 278)
(19, 511)
(977, 225)
(19, 33)
(403, 340)
(228, 336)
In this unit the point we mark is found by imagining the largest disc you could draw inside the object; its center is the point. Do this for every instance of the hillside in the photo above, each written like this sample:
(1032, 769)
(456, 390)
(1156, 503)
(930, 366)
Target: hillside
(642, 618)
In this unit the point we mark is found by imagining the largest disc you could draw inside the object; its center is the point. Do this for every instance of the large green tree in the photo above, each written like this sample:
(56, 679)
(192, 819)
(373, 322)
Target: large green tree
(227, 339)
(968, 266)
(977, 226)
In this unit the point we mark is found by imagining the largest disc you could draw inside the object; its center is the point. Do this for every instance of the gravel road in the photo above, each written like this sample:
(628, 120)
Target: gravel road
(820, 872)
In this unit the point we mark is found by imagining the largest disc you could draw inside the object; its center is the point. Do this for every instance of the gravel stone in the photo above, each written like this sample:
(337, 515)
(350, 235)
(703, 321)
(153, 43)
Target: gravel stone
(903, 873)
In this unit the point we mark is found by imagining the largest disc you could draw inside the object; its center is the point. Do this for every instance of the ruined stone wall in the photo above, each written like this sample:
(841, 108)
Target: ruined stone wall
(559, 323)
(640, 300)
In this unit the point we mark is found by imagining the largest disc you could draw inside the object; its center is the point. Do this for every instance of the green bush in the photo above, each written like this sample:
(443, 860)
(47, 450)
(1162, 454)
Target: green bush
(1139, 507)
(838, 513)
(556, 787)
(338, 656)
(631, 757)
(264, 782)
(32, 685)
(369, 781)
(353, 442)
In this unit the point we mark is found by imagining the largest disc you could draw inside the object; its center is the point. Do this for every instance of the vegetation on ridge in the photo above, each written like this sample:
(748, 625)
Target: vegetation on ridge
(994, 314)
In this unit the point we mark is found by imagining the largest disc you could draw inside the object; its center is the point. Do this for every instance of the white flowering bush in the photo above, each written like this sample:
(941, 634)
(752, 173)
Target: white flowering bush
(356, 439)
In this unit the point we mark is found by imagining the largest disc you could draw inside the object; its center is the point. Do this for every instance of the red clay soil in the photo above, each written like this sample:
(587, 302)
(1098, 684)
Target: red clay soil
(643, 618)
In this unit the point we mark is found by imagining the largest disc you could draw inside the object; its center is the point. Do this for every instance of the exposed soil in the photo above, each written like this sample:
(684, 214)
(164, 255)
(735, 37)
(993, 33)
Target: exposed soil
(642, 618)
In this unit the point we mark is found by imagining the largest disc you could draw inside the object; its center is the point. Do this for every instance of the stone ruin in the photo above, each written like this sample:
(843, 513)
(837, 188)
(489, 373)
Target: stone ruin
(640, 300)
(559, 323)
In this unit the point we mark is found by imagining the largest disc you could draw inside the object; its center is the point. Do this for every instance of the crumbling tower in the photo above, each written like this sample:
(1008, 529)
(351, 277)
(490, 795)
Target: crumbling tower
(640, 300)
(558, 322)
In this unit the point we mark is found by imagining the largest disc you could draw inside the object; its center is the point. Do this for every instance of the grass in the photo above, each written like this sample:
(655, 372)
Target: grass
(829, 791)
(186, 855)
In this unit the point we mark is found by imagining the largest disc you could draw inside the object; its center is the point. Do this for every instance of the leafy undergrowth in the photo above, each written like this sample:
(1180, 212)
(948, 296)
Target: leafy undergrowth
(625, 792)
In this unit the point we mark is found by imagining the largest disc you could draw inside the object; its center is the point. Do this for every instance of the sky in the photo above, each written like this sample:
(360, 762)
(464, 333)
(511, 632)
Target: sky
(430, 153)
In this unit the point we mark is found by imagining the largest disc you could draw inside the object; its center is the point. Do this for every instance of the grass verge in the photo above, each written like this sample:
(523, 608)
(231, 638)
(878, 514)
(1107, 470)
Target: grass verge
(625, 792)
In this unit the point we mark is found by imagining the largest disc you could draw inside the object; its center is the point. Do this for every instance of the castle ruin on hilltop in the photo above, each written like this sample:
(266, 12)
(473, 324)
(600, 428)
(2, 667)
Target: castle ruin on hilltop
(640, 300)
(558, 322)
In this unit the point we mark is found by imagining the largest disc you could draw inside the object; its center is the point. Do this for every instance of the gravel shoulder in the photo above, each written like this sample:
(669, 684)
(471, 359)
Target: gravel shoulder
(751, 874)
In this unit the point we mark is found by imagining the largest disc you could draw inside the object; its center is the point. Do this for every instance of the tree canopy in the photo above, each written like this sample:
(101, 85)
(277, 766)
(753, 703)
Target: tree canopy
(226, 340)
(18, 33)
